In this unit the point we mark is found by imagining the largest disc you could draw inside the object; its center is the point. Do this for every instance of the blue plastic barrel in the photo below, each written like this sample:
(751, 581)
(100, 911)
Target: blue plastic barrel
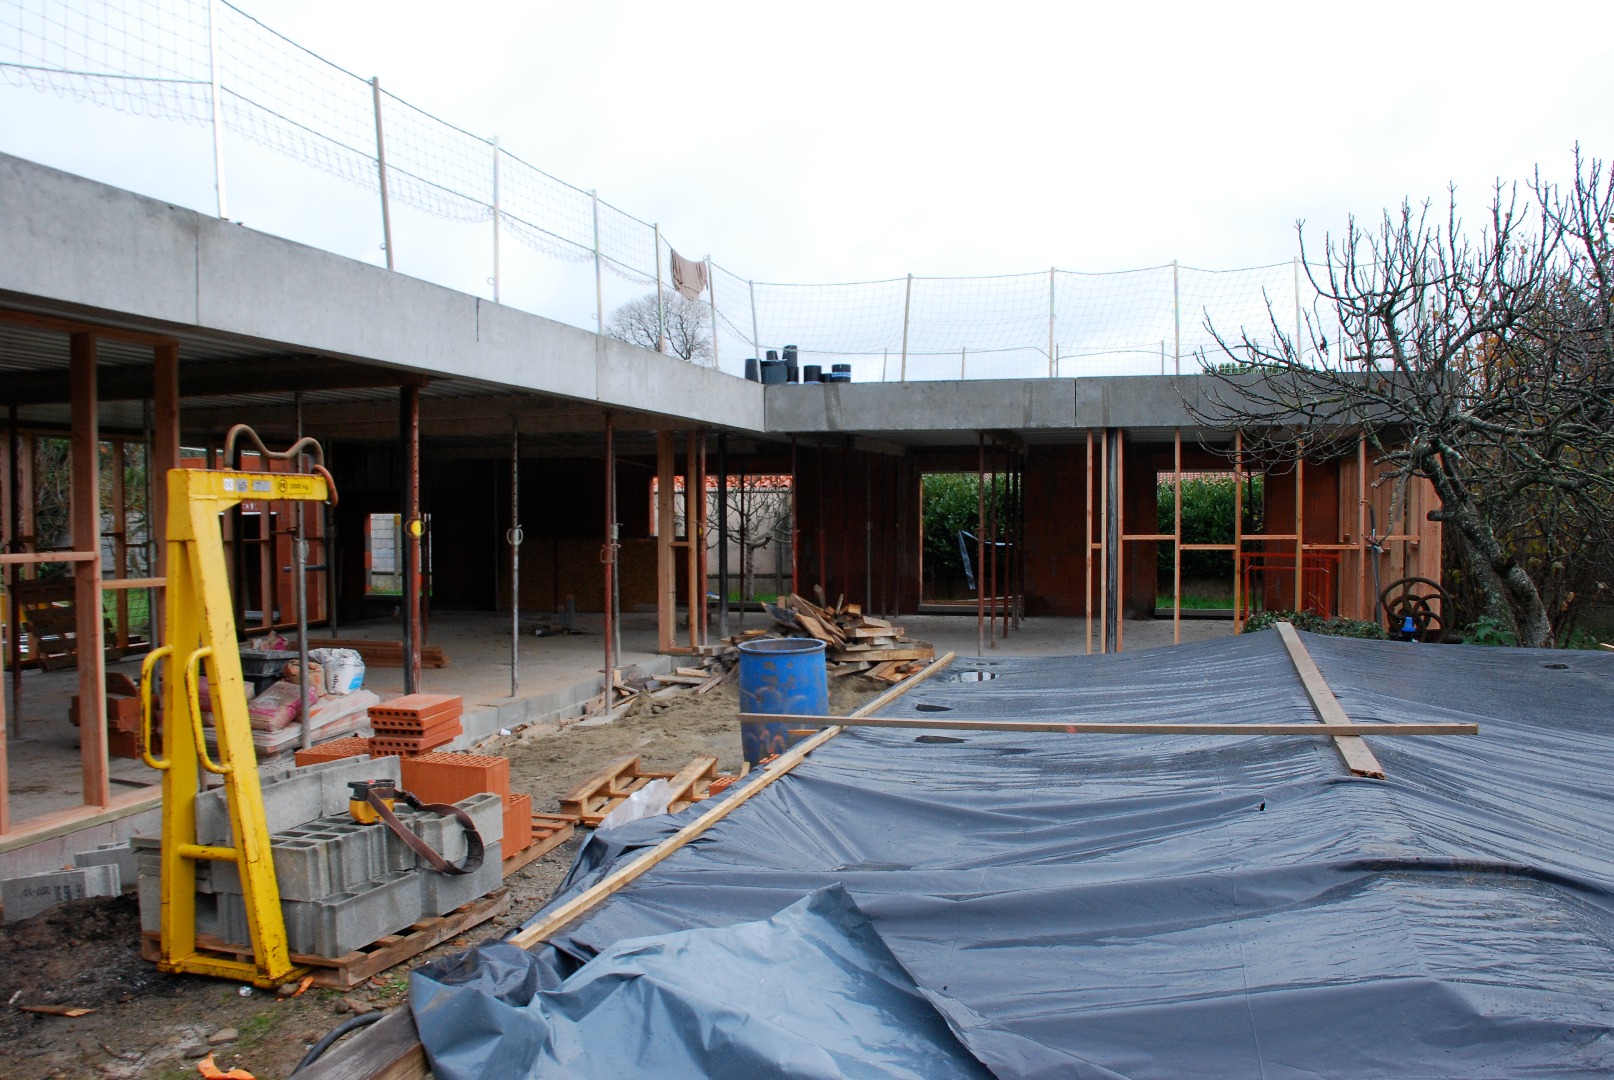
(779, 676)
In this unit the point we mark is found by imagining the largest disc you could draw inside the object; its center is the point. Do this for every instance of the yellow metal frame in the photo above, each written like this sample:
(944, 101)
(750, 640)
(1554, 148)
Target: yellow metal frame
(200, 622)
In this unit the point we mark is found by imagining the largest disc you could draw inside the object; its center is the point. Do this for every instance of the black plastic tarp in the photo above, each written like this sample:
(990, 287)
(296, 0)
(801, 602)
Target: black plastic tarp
(1139, 906)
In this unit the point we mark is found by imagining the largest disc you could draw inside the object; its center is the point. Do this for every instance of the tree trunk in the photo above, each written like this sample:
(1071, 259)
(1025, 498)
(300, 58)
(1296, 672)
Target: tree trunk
(1511, 597)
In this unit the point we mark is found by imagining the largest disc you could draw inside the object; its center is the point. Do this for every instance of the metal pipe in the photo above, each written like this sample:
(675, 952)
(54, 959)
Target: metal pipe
(409, 437)
(1053, 361)
(992, 557)
(868, 532)
(907, 306)
(661, 299)
(980, 544)
(299, 571)
(795, 520)
(756, 336)
(599, 284)
(723, 530)
(496, 211)
(1176, 317)
(381, 172)
(613, 537)
(711, 296)
(217, 102)
(514, 538)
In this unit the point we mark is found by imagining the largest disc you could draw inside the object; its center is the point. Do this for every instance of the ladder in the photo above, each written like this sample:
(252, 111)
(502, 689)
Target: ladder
(200, 632)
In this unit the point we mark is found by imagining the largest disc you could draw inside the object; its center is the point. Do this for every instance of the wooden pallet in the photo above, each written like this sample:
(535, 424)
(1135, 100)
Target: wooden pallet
(346, 972)
(603, 792)
(549, 831)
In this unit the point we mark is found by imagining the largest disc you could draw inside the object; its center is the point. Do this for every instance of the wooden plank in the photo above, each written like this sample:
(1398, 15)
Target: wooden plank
(681, 680)
(549, 833)
(34, 558)
(1352, 750)
(860, 633)
(686, 783)
(714, 683)
(1090, 727)
(915, 652)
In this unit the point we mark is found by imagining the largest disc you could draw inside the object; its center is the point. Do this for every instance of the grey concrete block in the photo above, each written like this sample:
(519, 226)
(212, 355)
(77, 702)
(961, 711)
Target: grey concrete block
(27, 896)
(447, 837)
(293, 797)
(123, 855)
(150, 892)
(336, 775)
(351, 920)
(442, 893)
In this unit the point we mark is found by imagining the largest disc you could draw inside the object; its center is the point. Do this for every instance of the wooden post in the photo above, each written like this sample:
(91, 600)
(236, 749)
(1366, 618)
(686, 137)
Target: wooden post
(980, 544)
(120, 542)
(1087, 549)
(164, 456)
(1366, 607)
(86, 454)
(1176, 544)
(692, 525)
(990, 570)
(1118, 463)
(666, 581)
(1300, 530)
(1238, 530)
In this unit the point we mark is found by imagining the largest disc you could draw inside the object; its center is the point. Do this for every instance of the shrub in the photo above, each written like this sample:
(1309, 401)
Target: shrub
(1316, 624)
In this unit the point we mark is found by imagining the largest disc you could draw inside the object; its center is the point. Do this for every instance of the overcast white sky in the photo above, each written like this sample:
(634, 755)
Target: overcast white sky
(847, 141)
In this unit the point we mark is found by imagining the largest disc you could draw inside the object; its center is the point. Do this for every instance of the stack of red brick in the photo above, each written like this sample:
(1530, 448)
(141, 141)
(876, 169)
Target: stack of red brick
(415, 723)
(122, 717)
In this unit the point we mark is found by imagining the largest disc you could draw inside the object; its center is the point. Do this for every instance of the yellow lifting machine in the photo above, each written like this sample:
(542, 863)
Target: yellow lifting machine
(200, 633)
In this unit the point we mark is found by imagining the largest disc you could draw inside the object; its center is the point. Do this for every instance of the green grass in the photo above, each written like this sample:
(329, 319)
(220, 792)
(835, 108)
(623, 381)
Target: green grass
(1196, 603)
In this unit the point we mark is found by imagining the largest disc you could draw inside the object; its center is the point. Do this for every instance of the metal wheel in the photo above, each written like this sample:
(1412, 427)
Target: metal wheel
(1414, 598)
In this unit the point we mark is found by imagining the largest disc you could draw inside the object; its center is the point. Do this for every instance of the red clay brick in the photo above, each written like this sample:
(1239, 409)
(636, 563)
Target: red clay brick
(450, 777)
(517, 823)
(332, 751)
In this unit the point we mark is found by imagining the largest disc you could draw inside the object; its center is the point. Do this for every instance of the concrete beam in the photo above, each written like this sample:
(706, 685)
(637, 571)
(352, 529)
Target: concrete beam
(80, 246)
(1015, 404)
(209, 378)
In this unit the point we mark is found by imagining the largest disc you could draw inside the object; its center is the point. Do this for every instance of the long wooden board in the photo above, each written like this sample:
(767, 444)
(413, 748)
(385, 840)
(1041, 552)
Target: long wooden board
(1352, 750)
(1092, 727)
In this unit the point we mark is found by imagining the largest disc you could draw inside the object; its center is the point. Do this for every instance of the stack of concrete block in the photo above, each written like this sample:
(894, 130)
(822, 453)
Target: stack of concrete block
(415, 723)
(342, 885)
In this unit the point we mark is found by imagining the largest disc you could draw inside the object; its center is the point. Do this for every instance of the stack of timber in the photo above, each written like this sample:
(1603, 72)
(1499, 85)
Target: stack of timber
(849, 636)
(854, 644)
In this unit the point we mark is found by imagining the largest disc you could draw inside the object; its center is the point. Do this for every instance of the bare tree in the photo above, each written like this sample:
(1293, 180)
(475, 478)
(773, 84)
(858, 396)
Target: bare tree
(1482, 363)
(682, 325)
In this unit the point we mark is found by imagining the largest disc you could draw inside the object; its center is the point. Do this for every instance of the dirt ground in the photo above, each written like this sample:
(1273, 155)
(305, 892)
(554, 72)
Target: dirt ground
(85, 953)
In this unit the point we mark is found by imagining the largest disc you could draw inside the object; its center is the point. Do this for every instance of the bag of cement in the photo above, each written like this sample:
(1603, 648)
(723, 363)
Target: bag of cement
(277, 706)
(344, 669)
(648, 801)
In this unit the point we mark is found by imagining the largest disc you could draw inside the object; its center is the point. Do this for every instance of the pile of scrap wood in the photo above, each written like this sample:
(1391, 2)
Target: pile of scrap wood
(854, 644)
(849, 636)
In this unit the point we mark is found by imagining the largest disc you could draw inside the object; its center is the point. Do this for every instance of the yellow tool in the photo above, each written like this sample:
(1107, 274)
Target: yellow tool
(199, 623)
(360, 806)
